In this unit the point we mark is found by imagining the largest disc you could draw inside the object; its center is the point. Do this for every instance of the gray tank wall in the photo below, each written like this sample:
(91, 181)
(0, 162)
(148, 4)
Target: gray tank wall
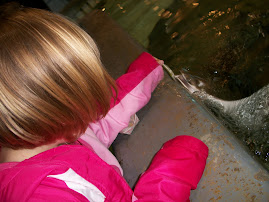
(230, 174)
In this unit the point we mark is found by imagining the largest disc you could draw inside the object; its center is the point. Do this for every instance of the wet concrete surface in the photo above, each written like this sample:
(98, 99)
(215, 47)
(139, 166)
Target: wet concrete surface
(231, 173)
(117, 49)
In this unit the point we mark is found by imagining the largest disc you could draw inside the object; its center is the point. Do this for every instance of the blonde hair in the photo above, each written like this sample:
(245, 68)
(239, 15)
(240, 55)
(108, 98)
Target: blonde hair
(52, 82)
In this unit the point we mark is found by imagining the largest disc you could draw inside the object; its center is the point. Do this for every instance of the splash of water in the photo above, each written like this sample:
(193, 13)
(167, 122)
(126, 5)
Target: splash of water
(247, 118)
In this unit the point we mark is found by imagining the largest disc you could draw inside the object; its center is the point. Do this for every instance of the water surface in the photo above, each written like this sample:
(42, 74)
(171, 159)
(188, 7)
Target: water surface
(224, 43)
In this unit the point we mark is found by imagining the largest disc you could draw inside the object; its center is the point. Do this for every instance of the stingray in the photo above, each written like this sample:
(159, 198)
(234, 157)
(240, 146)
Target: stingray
(247, 118)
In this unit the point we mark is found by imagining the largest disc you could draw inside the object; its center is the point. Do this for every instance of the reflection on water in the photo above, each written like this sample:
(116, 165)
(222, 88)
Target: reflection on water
(224, 44)
(138, 17)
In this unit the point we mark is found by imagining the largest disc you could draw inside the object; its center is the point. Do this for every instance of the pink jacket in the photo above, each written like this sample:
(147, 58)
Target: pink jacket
(89, 172)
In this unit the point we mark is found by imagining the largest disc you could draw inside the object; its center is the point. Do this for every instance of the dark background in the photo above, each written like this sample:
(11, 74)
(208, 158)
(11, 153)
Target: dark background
(28, 3)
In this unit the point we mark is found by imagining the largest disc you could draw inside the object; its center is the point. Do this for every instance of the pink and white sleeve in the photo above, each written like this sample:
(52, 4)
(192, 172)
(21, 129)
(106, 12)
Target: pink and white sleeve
(174, 171)
(134, 92)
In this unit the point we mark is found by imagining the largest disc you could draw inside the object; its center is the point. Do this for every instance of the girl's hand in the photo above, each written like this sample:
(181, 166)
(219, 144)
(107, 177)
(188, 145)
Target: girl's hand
(159, 61)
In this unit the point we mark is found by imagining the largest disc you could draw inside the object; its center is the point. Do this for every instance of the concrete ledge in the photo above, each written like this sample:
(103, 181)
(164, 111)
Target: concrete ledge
(117, 48)
(231, 173)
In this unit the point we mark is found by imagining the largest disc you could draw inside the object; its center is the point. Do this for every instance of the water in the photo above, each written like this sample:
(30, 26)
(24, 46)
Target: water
(224, 43)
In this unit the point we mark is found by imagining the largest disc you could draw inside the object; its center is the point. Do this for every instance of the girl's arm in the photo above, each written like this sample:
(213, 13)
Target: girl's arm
(175, 170)
(134, 92)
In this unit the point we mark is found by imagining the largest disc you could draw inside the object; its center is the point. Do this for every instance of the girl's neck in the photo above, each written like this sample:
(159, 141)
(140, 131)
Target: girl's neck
(18, 155)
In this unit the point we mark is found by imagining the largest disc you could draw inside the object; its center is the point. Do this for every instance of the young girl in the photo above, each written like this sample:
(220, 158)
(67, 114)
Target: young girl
(59, 113)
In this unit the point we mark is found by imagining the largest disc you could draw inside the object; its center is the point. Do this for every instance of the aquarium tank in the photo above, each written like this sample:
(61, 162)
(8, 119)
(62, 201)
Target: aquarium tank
(224, 44)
